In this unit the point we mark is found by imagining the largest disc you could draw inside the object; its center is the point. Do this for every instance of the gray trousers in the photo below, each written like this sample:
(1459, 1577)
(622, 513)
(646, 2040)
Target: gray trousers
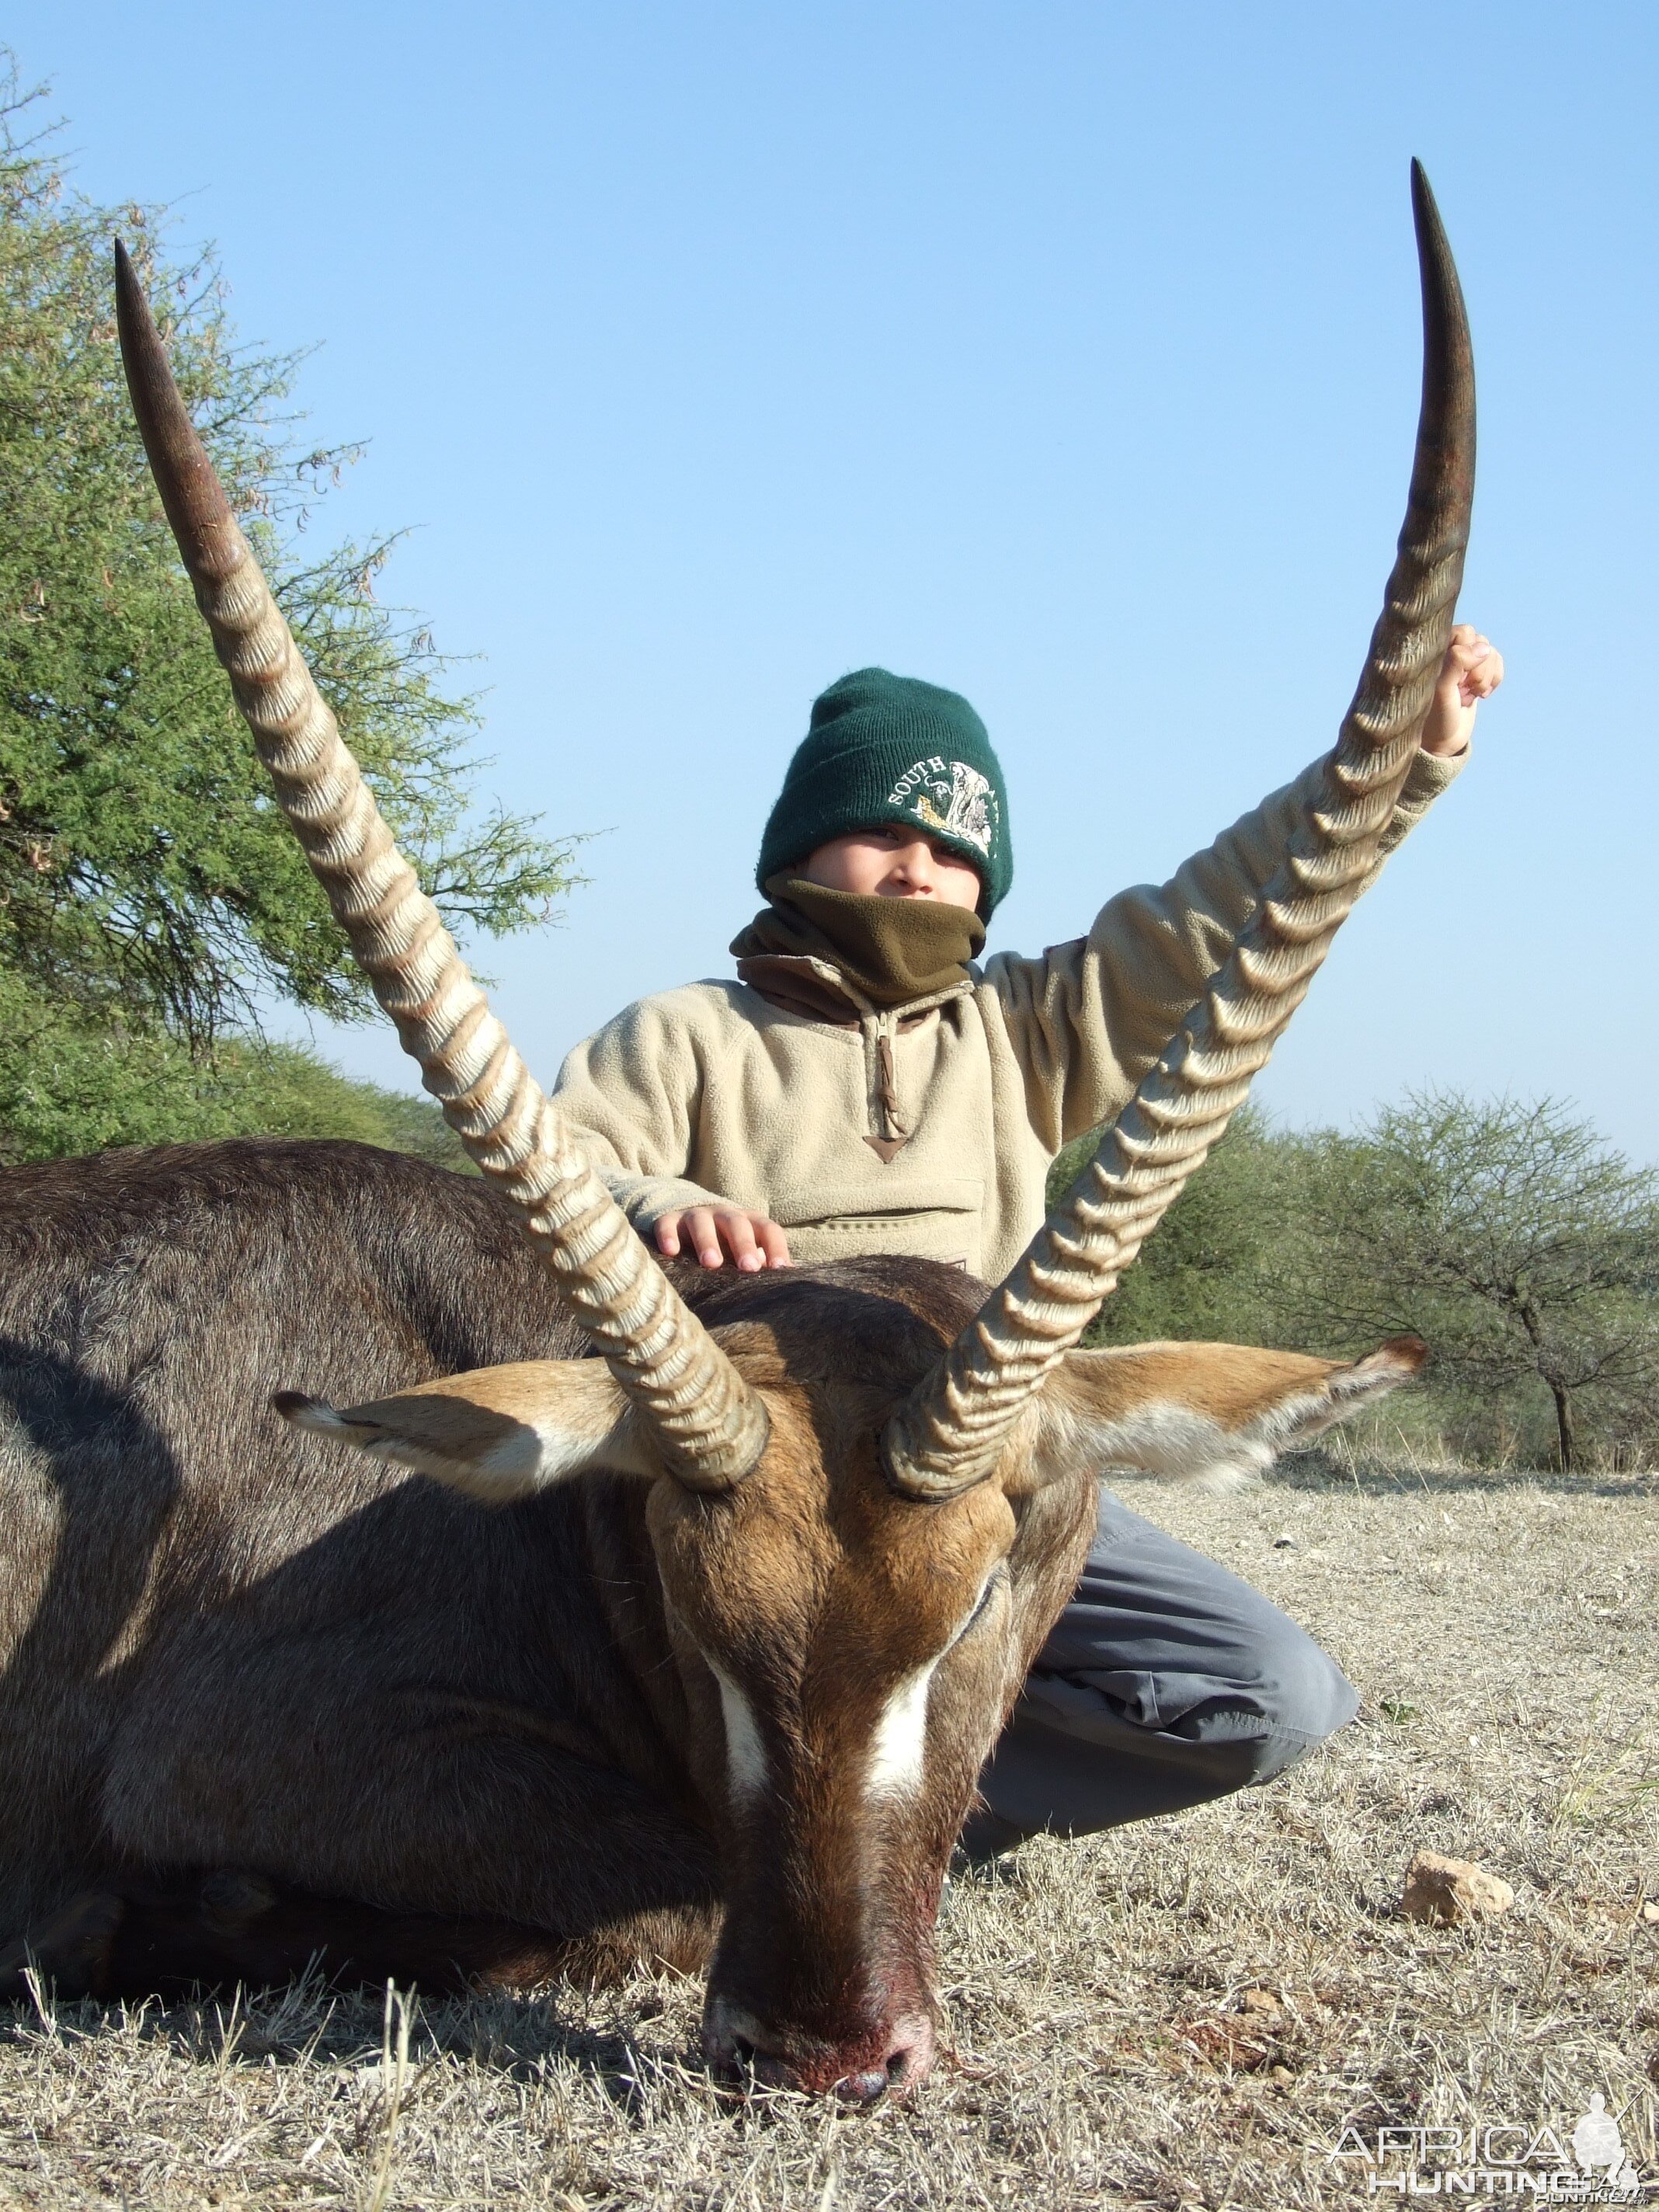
(1166, 1681)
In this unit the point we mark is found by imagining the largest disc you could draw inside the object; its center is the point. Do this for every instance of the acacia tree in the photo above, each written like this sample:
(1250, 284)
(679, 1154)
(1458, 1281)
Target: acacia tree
(1506, 1233)
(151, 897)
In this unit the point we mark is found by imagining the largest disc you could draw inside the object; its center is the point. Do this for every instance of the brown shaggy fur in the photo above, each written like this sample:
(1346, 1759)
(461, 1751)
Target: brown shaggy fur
(230, 1645)
(264, 1699)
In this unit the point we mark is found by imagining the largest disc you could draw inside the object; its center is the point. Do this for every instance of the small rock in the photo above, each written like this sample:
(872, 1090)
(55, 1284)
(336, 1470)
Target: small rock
(1651, 1911)
(1452, 1889)
(1284, 1541)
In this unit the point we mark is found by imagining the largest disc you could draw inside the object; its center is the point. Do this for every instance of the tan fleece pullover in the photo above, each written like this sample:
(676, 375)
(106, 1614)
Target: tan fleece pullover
(928, 1129)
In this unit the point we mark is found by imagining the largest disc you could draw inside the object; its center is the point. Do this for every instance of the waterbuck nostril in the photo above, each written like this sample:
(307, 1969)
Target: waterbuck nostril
(865, 2087)
(910, 2054)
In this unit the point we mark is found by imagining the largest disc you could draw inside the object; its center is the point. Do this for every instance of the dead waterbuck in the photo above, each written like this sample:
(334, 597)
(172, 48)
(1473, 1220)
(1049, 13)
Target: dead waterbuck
(770, 1556)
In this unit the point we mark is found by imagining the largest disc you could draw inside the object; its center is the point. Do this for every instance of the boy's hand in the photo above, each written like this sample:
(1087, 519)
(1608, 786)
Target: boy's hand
(710, 1232)
(1471, 671)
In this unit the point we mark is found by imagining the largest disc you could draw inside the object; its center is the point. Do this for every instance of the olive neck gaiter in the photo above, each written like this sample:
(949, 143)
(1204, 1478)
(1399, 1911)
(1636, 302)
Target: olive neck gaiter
(890, 951)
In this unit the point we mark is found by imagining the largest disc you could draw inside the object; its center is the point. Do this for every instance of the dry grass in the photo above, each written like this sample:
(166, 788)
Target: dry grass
(1103, 2049)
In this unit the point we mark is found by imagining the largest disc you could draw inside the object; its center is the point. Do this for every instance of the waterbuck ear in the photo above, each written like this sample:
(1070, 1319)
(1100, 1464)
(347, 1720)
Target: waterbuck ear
(497, 1433)
(1213, 1413)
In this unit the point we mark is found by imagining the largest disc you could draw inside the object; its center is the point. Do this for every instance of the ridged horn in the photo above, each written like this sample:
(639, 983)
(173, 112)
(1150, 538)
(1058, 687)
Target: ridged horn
(953, 1429)
(709, 1427)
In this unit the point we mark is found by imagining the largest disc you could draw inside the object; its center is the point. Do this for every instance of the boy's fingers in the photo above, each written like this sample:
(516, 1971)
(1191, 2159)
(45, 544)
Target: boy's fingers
(1482, 676)
(772, 1242)
(740, 1240)
(751, 1240)
(702, 1236)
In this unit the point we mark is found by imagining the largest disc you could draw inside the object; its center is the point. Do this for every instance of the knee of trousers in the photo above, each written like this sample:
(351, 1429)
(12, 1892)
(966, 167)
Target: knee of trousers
(1072, 1759)
(1074, 1783)
(1275, 1713)
(1172, 1642)
(1300, 1697)
(1258, 1700)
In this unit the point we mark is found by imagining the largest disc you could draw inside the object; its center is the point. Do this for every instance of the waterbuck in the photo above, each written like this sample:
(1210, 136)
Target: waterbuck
(768, 1557)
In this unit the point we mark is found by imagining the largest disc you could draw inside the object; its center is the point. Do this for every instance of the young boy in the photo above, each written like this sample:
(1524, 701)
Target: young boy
(864, 1087)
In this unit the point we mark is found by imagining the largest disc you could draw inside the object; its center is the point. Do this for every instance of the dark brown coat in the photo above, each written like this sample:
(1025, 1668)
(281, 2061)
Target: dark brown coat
(263, 1696)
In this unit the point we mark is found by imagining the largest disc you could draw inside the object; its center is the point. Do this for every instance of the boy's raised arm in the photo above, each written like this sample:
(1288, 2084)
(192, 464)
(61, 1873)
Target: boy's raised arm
(1088, 1018)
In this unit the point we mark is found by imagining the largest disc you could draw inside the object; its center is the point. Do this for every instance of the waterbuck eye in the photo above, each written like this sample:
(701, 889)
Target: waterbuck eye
(996, 1581)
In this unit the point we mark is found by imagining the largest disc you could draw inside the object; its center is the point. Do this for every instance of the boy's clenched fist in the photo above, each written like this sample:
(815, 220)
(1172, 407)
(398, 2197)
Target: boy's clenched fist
(1471, 671)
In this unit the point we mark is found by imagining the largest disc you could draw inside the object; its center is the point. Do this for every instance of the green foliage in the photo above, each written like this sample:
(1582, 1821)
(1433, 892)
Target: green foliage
(150, 893)
(1208, 1272)
(1506, 1234)
(74, 1084)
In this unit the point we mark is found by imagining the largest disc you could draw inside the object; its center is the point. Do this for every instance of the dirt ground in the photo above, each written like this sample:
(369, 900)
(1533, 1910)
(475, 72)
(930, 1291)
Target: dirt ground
(1188, 2012)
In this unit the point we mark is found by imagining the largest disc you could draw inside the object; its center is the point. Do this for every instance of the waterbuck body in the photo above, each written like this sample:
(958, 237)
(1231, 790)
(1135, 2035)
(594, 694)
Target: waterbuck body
(262, 1698)
(228, 1643)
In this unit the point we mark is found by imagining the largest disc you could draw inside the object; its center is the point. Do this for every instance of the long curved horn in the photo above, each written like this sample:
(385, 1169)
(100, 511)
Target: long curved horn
(951, 1433)
(710, 1426)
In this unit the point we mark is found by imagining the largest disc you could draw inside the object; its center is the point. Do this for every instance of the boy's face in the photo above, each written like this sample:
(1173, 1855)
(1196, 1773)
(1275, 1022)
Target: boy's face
(897, 863)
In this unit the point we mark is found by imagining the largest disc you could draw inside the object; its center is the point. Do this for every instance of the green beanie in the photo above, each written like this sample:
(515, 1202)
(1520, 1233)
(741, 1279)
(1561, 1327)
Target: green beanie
(890, 750)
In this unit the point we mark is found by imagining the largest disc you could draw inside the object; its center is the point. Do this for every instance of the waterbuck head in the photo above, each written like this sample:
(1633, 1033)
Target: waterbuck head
(869, 1486)
(848, 1649)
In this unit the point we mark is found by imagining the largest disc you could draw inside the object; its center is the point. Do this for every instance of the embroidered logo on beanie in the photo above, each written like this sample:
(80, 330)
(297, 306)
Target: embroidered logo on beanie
(948, 798)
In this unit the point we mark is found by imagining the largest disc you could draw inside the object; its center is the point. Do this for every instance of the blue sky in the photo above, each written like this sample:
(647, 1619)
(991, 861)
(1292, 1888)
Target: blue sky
(1063, 353)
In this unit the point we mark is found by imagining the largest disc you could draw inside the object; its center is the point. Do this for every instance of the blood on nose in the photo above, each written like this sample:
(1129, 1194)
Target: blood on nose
(907, 2062)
